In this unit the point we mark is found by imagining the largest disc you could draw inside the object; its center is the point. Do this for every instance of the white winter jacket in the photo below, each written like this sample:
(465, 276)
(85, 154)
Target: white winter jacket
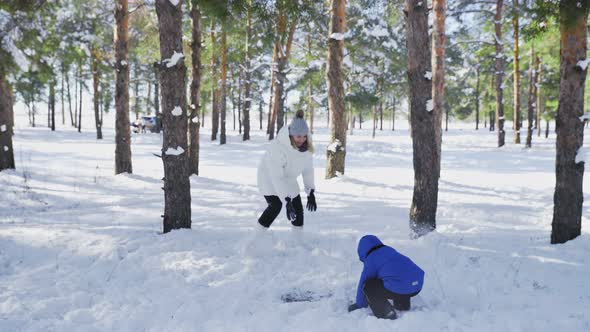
(281, 165)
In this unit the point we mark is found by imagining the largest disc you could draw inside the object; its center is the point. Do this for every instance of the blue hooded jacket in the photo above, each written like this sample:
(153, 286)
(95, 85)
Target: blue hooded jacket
(399, 274)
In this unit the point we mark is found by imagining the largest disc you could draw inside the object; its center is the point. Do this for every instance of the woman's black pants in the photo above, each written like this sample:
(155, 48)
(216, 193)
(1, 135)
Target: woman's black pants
(274, 208)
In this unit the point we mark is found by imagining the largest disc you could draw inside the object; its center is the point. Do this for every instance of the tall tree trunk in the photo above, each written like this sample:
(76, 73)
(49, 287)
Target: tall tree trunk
(80, 100)
(136, 106)
(194, 123)
(282, 50)
(62, 95)
(539, 97)
(157, 97)
(477, 72)
(76, 82)
(247, 78)
(239, 87)
(222, 97)
(423, 118)
(95, 84)
(232, 97)
(569, 167)
(272, 116)
(122, 128)
(516, 80)
(177, 198)
(6, 124)
(392, 113)
(52, 103)
(336, 153)
(69, 94)
(374, 120)
(260, 113)
(311, 101)
(546, 128)
(531, 100)
(214, 89)
(499, 74)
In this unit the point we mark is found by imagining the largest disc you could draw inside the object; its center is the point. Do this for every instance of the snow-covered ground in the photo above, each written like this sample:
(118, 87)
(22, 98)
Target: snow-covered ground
(81, 249)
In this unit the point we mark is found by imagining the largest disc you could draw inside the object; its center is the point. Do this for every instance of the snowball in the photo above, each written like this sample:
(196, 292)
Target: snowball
(2, 128)
(583, 63)
(173, 60)
(430, 105)
(337, 36)
(177, 111)
(6, 148)
(334, 146)
(174, 152)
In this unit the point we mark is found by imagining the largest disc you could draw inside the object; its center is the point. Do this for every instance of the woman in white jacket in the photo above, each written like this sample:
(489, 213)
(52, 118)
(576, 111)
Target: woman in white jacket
(287, 157)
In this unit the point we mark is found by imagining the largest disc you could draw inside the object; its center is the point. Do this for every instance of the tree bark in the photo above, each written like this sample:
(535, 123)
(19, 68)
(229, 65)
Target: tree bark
(423, 118)
(531, 100)
(569, 170)
(52, 103)
(62, 95)
(96, 99)
(177, 198)
(311, 101)
(539, 97)
(80, 100)
(247, 78)
(499, 74)
(195, 107)
(214, 88)
(223, 95)
(477, 72)
(6, 124)
(157, 97)
(516, 80)
(69, 94)
(122, 127)
(336, 154)
(136, 106)
(272, 116)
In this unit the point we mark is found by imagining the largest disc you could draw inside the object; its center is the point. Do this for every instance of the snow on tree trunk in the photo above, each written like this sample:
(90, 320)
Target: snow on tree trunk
(336, 155)
(122, 127)
(569, 196)
(177, 199)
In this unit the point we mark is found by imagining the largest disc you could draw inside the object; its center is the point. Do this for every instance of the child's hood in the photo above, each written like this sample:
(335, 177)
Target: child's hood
(367, 243)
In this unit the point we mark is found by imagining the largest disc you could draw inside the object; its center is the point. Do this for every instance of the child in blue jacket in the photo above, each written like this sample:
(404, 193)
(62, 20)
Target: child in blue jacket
(387, 274)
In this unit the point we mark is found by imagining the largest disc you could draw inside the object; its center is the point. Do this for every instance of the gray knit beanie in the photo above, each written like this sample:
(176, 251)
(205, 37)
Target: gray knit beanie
(298, 127)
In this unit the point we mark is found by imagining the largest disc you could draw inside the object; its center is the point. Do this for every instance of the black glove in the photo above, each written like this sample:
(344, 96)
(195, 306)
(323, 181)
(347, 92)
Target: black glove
(352, 307)
(311, 204)
(291, 214)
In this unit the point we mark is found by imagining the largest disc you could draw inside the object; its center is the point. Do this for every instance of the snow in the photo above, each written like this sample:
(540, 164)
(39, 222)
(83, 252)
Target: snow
(428, 75)
(337, 36)
(81, 249)
(174, 2)
(586, 116)
(3, 128)
(430, 105)
(583, 63)
(123, 63)
(174, 152)
(335, 146)
(581, 155)
(177, 111)
(173, 60)
(6, 148)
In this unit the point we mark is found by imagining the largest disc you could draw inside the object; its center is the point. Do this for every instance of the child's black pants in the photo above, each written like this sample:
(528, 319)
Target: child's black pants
(377, 296)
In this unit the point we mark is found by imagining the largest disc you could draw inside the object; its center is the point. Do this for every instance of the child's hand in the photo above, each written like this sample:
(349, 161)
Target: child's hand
(352, 307)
